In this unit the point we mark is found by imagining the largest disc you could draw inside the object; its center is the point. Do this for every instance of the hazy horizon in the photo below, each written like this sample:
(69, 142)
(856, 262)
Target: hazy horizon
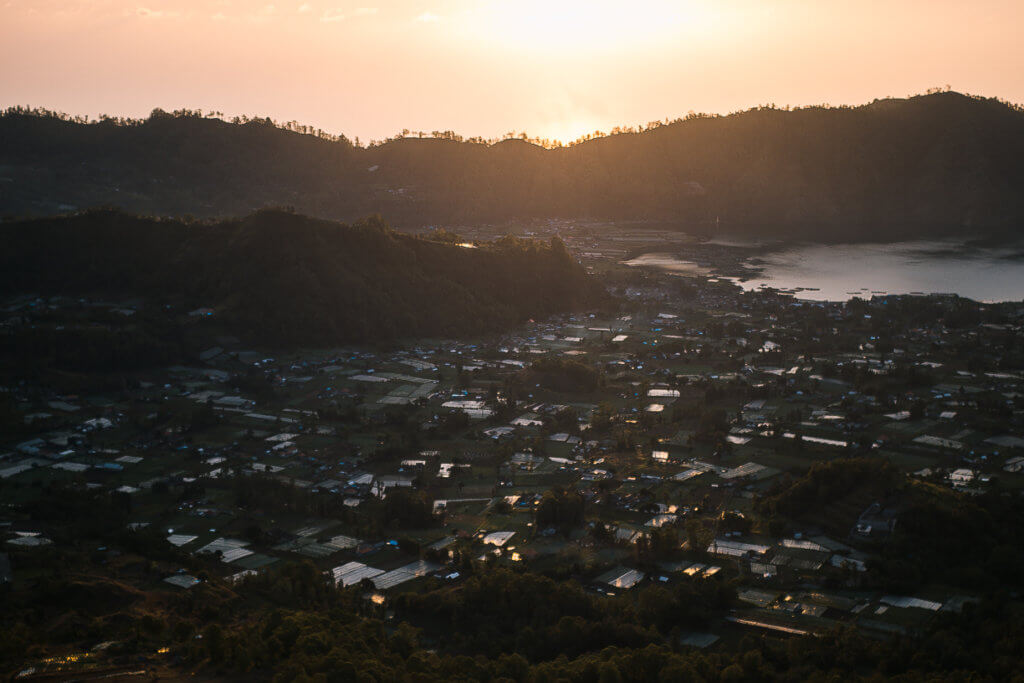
(488, 68)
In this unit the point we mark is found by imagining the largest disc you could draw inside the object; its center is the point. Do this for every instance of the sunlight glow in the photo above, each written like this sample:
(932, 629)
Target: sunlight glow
(589, 25)
(567, 130)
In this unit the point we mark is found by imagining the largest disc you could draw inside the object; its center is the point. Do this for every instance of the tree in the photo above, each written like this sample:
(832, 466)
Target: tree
(697, 535)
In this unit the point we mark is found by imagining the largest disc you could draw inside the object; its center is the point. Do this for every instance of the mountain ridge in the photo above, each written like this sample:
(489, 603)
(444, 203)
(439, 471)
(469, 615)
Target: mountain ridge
(934, 165)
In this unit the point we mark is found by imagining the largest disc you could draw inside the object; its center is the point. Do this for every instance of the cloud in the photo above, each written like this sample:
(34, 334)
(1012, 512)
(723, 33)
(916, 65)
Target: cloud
(147, 13)
(332, 15)
(264, 14)
(365, 11)
(304, 7)
(428, 18)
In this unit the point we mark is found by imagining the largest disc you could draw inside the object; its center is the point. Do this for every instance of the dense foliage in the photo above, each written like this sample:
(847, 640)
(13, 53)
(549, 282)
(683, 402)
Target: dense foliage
(289, 624)
(288, 279)
(895, 168)
(561, 374)
(825, 482)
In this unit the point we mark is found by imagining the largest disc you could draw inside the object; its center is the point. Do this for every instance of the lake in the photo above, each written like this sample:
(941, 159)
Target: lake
(839, 272)
(669, 263)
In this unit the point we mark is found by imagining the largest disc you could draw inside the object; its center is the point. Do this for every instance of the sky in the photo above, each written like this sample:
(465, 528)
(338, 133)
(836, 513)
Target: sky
(551, 68)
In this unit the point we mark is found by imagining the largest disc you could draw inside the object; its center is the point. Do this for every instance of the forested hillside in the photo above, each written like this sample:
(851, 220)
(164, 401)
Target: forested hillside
(280, 277)
(943, 163)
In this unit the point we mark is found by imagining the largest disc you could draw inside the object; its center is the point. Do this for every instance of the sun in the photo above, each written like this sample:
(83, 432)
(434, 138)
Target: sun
(568, 130)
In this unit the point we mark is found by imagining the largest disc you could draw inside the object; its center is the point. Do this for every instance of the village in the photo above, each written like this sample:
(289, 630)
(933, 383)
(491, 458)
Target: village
(676, 439)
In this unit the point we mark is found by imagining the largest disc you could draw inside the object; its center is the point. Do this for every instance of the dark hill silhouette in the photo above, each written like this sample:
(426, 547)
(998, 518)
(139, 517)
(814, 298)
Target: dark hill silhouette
(929, 165)
(282, 278)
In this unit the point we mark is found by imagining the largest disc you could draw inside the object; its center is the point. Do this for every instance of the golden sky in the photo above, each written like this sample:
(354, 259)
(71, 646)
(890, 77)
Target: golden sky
(554, 68)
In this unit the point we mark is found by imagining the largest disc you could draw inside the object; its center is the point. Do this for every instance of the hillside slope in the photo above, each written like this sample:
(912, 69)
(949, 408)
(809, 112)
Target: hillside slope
(279, 277)
(925, 166)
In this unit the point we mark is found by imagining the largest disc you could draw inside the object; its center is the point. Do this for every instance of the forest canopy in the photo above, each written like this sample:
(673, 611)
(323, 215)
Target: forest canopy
(936, 164)
(289, 279)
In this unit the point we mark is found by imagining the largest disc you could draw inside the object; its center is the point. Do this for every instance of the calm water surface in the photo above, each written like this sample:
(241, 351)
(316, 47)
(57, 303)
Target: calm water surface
(838, 272)
(669, 263)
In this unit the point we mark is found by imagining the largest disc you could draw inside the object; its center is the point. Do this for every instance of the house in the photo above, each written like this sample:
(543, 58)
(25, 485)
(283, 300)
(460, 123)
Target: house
(621, 577)
(961, 477)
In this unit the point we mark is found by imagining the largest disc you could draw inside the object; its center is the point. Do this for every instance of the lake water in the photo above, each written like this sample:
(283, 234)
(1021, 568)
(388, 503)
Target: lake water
(838, 272)
(669, 263)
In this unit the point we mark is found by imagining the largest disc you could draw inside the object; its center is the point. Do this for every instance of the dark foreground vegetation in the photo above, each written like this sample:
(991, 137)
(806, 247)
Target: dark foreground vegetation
(291, 624)
(286, 279)
(940, 164)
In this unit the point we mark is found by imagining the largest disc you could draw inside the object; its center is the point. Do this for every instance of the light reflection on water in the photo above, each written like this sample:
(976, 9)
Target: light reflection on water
(838, 272)
(668, 263)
